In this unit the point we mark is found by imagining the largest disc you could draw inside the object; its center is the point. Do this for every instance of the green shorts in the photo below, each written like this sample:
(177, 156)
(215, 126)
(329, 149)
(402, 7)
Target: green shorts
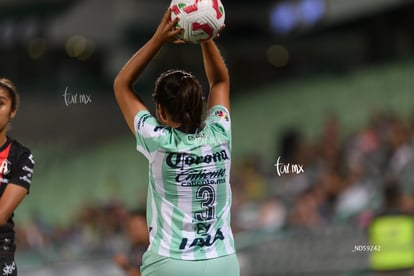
(156, 265)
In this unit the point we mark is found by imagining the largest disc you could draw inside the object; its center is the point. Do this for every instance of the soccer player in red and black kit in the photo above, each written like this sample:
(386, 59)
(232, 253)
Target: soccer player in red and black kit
(16, 170)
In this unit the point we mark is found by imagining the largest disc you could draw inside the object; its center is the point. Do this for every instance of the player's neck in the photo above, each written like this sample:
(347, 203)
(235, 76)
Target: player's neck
(3, 138)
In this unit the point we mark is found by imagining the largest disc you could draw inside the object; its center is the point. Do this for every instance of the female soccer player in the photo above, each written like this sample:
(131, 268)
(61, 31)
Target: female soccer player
(16, 169)
(189, 196)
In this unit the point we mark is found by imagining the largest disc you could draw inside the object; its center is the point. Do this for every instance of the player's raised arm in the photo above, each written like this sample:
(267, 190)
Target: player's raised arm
(128, 102)
(217, 75)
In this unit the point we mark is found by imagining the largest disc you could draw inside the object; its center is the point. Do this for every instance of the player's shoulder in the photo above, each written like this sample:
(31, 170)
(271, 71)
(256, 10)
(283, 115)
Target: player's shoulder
(144, 120)
(220, 112)
(218, 107)
(218, 115)
(19, 147)
(19, 151)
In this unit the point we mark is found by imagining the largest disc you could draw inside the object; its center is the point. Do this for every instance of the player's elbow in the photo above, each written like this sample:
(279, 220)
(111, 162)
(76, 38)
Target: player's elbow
(222, 86)
(117, 84)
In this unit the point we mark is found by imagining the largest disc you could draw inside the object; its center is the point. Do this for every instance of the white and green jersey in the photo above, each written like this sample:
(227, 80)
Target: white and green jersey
(189, 195)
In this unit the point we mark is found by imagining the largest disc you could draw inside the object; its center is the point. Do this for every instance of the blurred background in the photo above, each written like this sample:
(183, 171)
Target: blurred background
(321, 85)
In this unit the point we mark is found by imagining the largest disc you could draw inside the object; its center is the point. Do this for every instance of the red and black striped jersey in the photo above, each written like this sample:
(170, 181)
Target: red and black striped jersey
(16, 167)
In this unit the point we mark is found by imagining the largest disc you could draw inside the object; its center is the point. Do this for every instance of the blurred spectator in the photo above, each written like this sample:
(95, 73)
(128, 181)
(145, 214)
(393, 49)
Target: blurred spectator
(267, 215)
(138, 237)
(252, 178)
(401, 148)
(311, 209)
(272, 215)
(290, 145)
(407, 203)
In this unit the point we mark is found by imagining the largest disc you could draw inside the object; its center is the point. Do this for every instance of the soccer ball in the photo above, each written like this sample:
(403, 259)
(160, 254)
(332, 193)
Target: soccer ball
(200, 20)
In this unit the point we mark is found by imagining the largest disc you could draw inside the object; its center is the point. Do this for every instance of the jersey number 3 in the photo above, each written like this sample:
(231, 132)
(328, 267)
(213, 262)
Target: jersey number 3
(208, 196)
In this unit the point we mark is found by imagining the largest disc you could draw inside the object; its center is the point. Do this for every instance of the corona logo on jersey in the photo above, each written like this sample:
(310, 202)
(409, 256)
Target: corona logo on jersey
(180, 160)
(189, 177)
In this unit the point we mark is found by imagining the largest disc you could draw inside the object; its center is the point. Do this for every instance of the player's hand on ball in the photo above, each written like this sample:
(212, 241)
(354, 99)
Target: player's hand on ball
(179, 41)
(166, 30)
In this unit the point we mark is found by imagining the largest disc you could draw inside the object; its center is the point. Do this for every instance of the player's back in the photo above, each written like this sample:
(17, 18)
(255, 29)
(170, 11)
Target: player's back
(189, 195)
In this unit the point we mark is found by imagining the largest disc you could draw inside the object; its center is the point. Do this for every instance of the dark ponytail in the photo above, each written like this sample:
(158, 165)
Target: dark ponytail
(181, 95)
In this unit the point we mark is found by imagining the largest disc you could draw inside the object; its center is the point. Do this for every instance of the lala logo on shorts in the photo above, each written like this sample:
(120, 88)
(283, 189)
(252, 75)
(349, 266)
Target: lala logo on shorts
(205, 239)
